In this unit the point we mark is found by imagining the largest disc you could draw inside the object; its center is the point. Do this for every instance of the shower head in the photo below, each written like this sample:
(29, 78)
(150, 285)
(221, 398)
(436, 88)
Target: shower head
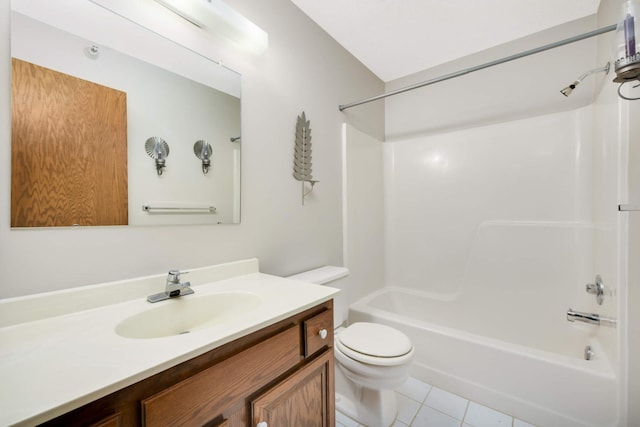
(567, 90)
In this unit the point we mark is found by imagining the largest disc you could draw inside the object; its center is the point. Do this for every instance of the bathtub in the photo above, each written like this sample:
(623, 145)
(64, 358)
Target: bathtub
(533, 369)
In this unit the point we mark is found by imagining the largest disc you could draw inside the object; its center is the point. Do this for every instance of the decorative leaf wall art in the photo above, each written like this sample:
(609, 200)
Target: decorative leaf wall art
(302, 156)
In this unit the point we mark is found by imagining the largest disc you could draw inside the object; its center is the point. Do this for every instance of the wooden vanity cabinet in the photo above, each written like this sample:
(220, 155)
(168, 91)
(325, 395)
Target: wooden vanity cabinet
(281, 375)
(300, 400)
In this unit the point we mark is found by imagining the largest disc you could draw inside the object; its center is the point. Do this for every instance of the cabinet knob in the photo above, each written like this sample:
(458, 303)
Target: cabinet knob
(262, 424)
(323, 335)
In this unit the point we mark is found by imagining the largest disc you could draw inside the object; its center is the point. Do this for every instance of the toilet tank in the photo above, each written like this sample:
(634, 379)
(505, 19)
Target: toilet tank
(336, 277)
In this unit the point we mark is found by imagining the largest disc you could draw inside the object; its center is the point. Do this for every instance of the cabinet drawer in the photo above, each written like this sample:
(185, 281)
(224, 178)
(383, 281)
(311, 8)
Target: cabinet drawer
(202, 397)
(313, 332)
(112, 421)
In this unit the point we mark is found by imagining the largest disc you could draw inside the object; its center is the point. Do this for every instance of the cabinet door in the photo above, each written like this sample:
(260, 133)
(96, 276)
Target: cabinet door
(203, 397)
(305, 398)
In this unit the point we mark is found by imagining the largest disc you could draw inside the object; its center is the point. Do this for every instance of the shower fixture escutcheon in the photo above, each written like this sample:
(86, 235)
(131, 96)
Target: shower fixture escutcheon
(596, 289)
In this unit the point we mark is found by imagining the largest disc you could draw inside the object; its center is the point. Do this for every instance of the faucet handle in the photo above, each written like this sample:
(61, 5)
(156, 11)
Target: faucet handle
(174, 275)
(596, 289)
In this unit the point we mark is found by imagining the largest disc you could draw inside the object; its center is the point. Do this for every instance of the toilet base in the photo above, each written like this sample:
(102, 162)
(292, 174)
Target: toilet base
(372, 408)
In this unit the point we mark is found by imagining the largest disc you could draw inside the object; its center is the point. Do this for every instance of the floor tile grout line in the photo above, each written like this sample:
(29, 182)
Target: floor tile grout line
(416, 414)
(444, 413)
(466, 410)
(427, 395)
(422, 403)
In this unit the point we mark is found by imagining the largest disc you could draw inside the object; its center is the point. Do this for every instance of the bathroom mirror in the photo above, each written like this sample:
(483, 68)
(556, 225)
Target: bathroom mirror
(162, 89)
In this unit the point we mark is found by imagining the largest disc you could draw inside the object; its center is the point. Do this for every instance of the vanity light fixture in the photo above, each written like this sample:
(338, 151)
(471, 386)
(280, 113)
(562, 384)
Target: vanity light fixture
(202, 150)
(158, 149)
(218, 19)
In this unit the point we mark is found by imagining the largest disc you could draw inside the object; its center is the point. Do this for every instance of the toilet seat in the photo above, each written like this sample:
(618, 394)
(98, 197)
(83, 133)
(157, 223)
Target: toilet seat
(375, 344)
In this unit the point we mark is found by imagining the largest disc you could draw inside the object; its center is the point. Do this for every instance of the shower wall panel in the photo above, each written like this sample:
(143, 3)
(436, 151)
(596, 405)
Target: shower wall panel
(363, 207)
(447, 194)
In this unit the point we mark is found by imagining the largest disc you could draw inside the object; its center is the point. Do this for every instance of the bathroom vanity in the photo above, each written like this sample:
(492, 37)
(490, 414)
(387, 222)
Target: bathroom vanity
(281, 374)
(271, 364)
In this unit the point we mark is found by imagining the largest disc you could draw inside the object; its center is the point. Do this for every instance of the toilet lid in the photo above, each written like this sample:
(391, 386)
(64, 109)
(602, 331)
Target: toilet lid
(373, 339)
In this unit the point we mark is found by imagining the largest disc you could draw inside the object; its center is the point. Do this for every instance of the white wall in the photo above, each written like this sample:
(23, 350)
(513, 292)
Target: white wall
(303, 69)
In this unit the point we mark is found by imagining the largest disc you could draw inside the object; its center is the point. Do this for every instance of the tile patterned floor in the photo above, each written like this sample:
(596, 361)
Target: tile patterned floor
(421, 405)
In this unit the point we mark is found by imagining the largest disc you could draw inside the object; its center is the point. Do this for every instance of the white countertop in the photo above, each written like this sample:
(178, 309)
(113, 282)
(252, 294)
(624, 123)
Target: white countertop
(52, 365)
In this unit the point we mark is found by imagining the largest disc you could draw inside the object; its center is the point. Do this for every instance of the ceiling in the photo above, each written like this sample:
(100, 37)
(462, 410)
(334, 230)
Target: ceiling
(396, 38)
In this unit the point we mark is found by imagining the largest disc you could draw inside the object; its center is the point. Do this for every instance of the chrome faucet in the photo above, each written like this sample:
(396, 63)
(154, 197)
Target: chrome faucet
(173, 288)
(591, 318)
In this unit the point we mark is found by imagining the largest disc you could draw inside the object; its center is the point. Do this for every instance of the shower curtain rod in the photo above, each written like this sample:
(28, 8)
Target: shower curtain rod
(459, 73)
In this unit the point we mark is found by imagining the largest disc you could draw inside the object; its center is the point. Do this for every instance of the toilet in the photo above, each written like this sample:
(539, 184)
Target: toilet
(371, 359)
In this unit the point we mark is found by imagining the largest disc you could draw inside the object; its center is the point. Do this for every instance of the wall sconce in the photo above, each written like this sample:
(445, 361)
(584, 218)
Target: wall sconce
(202, 150)
(158, 149)
(217, 18)
(627, 46)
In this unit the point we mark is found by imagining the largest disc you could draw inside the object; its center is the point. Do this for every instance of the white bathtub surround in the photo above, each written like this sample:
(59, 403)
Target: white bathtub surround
(442, 188)
(363, 211)
(78, 339)
(546, 385)
(491, 234)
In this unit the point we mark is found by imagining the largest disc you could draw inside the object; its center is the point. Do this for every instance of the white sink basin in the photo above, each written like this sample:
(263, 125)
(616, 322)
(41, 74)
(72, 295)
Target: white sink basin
(188, 314)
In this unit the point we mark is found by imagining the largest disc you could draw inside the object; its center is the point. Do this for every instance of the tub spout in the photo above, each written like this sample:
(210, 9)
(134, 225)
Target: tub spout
(592, 318)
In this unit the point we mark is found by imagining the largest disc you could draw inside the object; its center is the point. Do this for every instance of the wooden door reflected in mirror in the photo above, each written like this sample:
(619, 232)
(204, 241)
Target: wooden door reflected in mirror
(85, 183)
